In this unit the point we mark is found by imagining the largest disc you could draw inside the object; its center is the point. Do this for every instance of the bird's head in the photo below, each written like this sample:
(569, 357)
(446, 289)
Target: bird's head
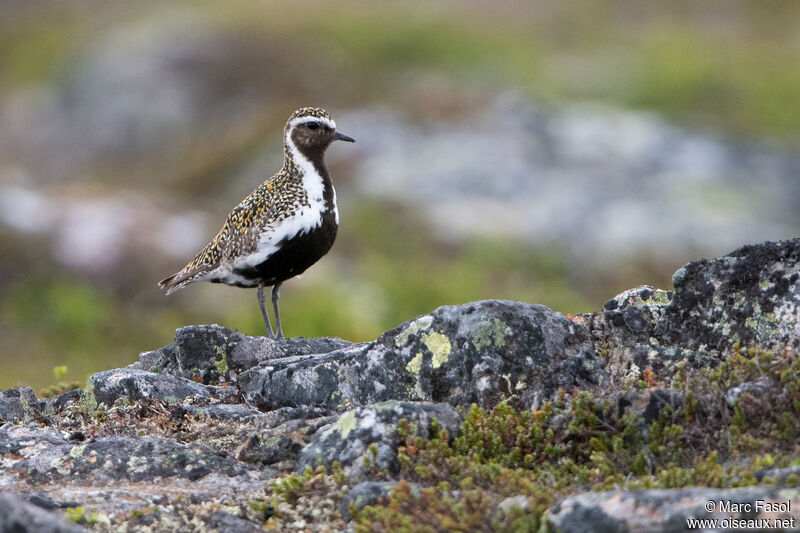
(311, 130)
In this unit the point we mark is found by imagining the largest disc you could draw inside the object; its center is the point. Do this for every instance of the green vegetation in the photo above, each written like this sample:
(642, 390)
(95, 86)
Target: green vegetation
(66, 320)
(76, 514)
(730, 71)
(582, 442)
(80, 516)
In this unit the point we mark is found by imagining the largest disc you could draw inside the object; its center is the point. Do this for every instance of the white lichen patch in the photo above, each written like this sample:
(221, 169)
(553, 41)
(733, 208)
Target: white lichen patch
(137, 464)
(423, 323)
(368, 419)
(63, 465)
(439, 346)
(787, 319)
(77, 451)
(483, 383)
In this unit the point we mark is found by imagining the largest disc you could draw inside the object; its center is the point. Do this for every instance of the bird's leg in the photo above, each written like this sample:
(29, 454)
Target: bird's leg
(275, 295)
(261, 301)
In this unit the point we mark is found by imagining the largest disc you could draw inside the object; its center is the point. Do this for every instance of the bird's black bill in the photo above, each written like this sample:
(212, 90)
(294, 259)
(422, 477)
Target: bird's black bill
(339, 136)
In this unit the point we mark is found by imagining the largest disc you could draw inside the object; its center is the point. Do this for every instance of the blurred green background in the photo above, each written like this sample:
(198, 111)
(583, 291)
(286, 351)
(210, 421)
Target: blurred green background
(130, 129)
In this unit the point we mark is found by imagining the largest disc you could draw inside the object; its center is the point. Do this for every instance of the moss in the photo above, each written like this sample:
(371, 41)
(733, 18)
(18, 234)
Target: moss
(88, 402)
(581, 442)
(266, 510)
(76, 514)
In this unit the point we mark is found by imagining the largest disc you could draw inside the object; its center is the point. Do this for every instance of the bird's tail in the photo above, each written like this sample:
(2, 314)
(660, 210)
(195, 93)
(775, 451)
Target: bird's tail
(180, 279)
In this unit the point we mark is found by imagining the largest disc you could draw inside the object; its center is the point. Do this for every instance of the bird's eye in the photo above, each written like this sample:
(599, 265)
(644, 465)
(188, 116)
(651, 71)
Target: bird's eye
(312, 125)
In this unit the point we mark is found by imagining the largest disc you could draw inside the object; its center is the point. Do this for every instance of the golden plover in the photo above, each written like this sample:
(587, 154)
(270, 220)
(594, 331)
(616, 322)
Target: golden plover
(283, 227)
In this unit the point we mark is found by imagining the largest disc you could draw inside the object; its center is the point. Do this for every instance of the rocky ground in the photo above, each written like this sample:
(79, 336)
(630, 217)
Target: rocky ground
(488, 416)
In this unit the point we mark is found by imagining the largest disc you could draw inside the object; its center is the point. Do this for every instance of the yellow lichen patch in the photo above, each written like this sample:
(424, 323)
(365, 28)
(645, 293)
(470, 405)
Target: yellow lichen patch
(439, 345)
(77, 451)
(346, 423)
(420, 324)
(414, 365)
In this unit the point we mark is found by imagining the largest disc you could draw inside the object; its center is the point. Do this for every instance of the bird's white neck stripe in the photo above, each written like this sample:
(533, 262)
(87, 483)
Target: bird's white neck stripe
(312, 181)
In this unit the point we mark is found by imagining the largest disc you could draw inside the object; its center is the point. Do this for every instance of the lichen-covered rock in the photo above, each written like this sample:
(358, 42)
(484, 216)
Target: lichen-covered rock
(20, 516)
(129, 384)
(227, 523)
(58, 403)
(191, 435)
(623, 334)
(227, 412)
(43, 456)
(669, 510)
(483, 353)
(282, 443)
(18, 405)
(751, 296)
(366, 493)
(367, 438)
(213, 354)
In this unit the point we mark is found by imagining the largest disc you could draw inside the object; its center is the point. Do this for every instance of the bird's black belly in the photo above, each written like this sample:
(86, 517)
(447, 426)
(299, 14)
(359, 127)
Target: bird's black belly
(294, 255)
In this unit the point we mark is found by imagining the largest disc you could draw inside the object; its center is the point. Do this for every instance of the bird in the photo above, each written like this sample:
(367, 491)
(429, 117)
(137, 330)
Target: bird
(280, 229)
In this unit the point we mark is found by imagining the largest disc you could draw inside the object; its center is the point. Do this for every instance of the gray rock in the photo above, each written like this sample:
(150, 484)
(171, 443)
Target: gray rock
(482, 352)
(58, 403)
(18, 405)
(780, 474)
(46, 502)
(348, 439)
(624, 333)
(282, 443)
(668, 510)
(642, 295)
(43, 456)
(311, 380)
(228, 523)
(228, 412)
(751, 296)
(129, 384)
(520, 501)
(213, 354)
(20, 516)
(364, 494)
(753, 388)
